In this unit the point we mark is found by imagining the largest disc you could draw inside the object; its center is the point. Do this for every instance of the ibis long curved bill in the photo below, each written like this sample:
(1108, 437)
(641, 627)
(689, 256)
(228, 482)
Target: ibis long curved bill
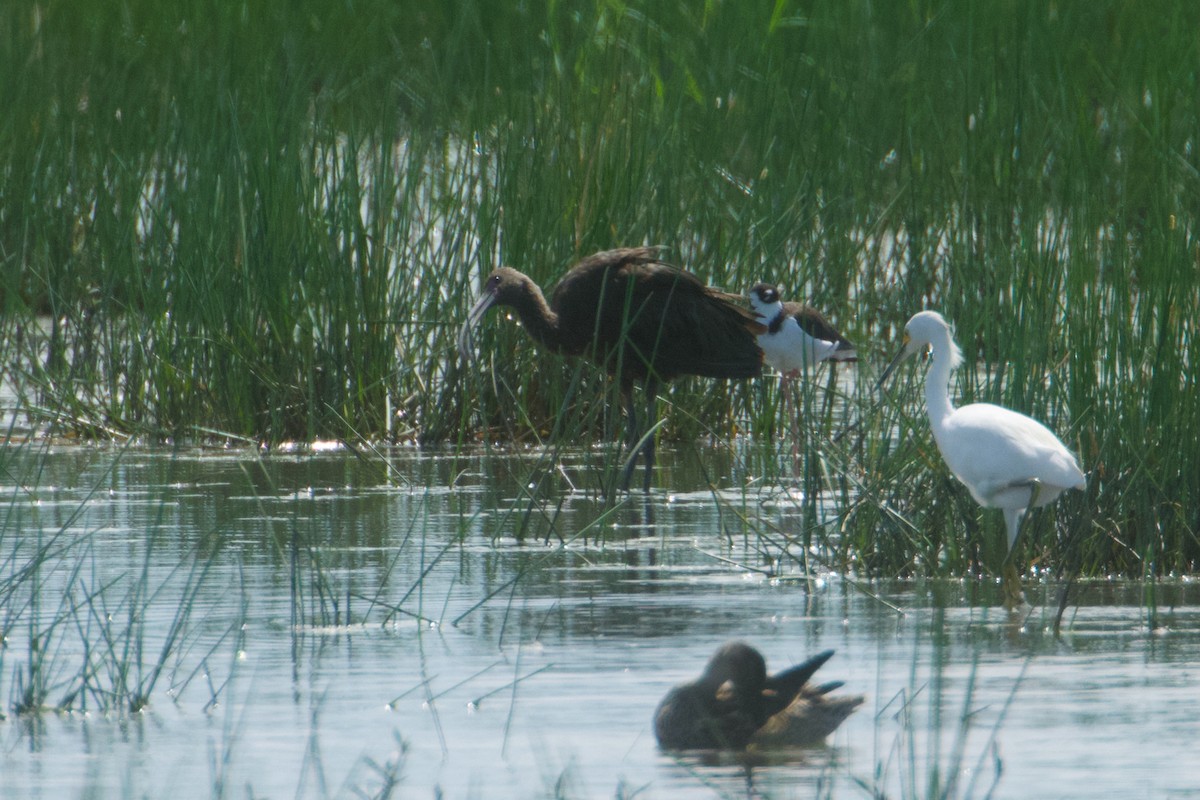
(466, 342)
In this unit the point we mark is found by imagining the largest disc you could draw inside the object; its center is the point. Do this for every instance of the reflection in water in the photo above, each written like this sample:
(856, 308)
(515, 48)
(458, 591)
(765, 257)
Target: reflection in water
(442, 621)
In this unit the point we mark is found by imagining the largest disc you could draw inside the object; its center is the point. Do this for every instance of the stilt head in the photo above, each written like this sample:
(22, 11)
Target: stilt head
(764, 298)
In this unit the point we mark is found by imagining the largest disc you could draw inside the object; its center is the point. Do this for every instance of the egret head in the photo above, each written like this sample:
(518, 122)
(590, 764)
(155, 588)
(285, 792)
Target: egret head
(929, 328)
(926, 329)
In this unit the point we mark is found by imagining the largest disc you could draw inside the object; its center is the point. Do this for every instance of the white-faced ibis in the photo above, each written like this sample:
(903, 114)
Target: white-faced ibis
(734, 705)
(797, 336)
(643, 320)
(1006, 459)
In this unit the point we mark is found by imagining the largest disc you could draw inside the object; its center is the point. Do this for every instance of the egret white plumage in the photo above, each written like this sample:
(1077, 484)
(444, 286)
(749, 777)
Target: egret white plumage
(1006, 459)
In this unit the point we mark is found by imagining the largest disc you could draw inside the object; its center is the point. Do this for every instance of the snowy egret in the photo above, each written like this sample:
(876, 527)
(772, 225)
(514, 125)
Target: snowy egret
(641, 319)
(734, 705)
(797, 335)
(1007, 460)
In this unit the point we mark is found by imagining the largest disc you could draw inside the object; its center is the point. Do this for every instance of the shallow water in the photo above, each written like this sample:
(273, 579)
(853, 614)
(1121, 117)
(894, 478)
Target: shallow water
(432, 615)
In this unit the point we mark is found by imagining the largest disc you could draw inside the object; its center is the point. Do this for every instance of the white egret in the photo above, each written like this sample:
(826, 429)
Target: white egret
(1006, 460)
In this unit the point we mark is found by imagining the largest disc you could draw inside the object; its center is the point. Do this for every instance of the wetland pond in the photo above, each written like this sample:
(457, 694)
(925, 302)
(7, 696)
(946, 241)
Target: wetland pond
(331, 623)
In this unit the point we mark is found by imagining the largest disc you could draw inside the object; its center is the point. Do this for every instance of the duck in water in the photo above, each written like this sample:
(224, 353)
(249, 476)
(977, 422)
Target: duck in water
(734, 705)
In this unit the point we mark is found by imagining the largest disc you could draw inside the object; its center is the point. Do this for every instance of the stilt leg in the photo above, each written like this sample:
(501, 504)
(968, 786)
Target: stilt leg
(789, 388)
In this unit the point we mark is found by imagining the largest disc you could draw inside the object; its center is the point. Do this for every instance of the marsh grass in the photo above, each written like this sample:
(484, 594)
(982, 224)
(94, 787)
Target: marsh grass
(935, 750)
(262, 224)
(80, 638)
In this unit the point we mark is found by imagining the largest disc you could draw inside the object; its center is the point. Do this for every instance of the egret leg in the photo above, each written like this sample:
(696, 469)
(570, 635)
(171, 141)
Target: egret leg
(1013, 517)
(1012, 522)
(1014, 597)
(1010, 583)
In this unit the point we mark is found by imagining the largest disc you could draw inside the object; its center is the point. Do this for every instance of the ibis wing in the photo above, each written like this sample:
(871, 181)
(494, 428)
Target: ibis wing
(681, 327)
(642, 316)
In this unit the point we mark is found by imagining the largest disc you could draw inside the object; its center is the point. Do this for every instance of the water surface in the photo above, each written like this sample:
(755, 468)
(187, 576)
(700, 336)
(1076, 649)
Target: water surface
(433, 611)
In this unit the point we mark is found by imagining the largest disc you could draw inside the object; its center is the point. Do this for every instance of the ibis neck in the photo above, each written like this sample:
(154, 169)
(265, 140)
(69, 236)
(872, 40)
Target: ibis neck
(539, 319)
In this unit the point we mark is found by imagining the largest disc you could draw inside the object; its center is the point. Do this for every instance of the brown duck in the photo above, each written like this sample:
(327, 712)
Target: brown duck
(735, 705)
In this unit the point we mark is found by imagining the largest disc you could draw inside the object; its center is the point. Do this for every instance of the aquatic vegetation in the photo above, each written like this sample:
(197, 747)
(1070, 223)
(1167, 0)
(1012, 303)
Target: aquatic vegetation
(77, 636)
(266, 227)
(305, 606)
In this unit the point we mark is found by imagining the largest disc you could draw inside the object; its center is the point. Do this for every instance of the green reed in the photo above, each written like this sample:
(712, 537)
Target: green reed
(267, 223)
(925, 746)
(79, 637)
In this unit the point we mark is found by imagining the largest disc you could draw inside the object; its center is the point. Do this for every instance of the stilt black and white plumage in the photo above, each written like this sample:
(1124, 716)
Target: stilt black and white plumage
(797, 336)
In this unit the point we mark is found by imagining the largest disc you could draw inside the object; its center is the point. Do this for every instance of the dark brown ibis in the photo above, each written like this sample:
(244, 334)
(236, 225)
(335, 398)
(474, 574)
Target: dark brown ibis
(643, 320)
(735, 705)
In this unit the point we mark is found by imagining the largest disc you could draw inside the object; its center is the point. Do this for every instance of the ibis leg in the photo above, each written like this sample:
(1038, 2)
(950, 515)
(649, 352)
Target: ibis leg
(631, 434)
(652, 415)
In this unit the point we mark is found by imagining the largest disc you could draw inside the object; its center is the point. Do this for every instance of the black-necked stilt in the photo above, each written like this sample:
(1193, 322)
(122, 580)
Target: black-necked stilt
(1007, 460)
(797, 336)
(643, 320)
(734, 705)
